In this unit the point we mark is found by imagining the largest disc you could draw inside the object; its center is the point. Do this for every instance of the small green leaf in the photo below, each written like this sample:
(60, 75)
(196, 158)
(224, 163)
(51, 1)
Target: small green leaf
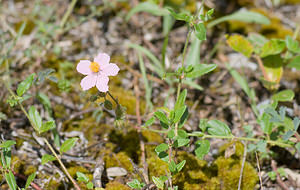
(47, 158)
(68, 144)
(159, 184)
(295, 63)
(161, 116)
(11, 181)
(35, 118)
(292, 45)
(200, 31)
(149, 121)
(284, 96)
(273, 66)
(172, 166)
(272, 175)
(180, 165)
(180, 100)
(82, 177)
(288, 135)
(185, 16)
(272, 47)
(7, 144)
(90, 185)
(201, 69)
(162, 147)
(182, 133)
(171, 134)
(296, 123)
(46, 126)
(203, 124)
(181, 142)
(216, 127)
(30, 179)
(261, 146)
(25, 85)
(240, 44)
(202, 148)
(135, 184)
(108, 105)
(179, 113)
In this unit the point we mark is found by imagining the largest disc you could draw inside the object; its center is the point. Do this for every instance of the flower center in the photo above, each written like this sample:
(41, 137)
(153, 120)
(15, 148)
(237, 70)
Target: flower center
(94, 67)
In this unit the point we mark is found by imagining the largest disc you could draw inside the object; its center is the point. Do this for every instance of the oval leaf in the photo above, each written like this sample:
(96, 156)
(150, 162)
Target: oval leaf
(284, 96)
(240, 44)
(218, 128)
(35, 118)
(68, 144)
(272, 47)
(47, 158)
(25, 85)
(202, 148)
(201, 69)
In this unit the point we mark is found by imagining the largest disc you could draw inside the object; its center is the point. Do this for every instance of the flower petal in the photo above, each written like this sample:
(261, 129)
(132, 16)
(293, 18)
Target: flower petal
(83, 67)
(102, 82)
(102, 59)
(88, 81)
(110, 69)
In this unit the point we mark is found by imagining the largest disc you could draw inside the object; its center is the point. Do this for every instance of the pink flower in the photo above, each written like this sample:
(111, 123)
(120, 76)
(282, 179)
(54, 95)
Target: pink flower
(97, 72)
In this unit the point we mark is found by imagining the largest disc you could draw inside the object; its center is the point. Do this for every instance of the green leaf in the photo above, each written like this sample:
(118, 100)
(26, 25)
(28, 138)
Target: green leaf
(35, 118)
(272, 47)
(273, 65)
(30, 179)
(193, 56)
(257, 39)
(202, 148)
(243, 16)
(6, 158)
(68, 144)
(82, 177)
(90, 185)
(192, 84)
(159, 184)
(171, 134)
(240, 44)
(11, 181)
(182, 133)
(46, 126)
(7, 144)
(25, 85)
(47, 158)
(149, 121)
(295, 63)
(203, 124)
(262, 146)
(201, 69)
(284, 96)
(288, 135)
(180, 100)
(200, 31)
(185, 16)
(162, 147)
(179, 113)
(161, 116)
(296, 123)
(108, 105)
(149, 8)
(135, 184)
(181, 142)
(218, 128)
(292, 45)
(180, 165)
(265, 123)
(172, 166)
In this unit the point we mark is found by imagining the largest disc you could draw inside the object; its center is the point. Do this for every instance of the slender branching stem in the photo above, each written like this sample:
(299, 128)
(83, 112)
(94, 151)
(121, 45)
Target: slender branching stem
(47, 143)
(67, 14)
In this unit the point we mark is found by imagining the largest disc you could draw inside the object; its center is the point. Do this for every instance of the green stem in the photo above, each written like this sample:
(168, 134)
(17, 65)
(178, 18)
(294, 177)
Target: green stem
(114, 99)
(67, 14)
(239, 138)
(35, 127)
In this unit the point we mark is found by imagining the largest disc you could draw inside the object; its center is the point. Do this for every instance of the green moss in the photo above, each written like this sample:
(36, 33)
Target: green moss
(72, 170)
(59, 111)
(30, 170)
(114, 185)
(229, 173)
(118, 160)
(156, 166)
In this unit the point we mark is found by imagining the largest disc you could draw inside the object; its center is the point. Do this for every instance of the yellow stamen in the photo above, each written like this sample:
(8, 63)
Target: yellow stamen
(94, 67)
